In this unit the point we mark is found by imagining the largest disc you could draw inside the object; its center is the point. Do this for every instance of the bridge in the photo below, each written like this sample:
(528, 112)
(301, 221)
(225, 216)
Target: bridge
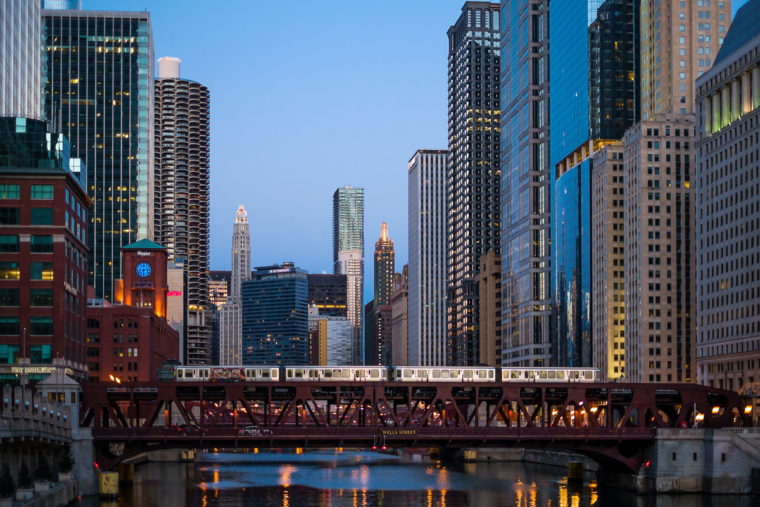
(612, 423)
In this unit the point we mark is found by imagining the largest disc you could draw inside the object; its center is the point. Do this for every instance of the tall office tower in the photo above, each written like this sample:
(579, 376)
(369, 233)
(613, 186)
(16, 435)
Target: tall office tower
(728, 217)
(525, 200)
(241, 253)
(595, 104)
(659, 249)
(231, 333)
(181, 176)
(348, 256)
(275, 316)
(328, 294)
(218, 287)
(679, 41)
(474, 177)
(385, 267)
(607, 256)
(400, 317)
(20, 59)
(230, 315)
(99, 87)
(428, 253)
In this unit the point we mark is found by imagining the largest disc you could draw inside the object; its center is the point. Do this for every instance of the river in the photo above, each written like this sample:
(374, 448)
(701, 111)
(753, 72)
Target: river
(365, 479)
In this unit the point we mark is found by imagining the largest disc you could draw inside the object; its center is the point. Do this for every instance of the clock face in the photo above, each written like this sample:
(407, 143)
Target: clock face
(143, 270)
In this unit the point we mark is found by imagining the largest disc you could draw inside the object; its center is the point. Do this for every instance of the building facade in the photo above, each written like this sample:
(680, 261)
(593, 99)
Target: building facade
(607, 262)
(728, 216)
(328, 294)
(218, 287)
(98, 86)
(525, 186)
(385, 267)
(348, 256)
(21, 59)
(428, 254)
(182, 178)
(43, 253)
(659, 250)
(474, 175)
(489, 284)
(275, 316)
(400, 318)
(230, 315)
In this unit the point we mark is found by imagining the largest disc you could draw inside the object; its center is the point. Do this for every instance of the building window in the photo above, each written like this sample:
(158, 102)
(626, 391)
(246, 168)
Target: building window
(42, 191)
(42, 244)
(9, 271)
(8, 243)
(10, 192)
(8, 297)
(40, 354)
(41, 325)
(8, 325)
(42, 216)
(41, 297)
(8, 354)
(41, 271)
(9, 216)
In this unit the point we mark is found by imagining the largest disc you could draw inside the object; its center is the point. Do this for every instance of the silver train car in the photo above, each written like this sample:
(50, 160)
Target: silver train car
(227, 373)
(336, 373)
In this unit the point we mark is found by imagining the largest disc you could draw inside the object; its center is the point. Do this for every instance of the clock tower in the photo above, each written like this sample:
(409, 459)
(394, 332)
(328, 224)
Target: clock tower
(144, 283)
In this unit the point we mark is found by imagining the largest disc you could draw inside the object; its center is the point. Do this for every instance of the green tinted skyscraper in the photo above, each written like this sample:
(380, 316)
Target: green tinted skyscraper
(98, 87)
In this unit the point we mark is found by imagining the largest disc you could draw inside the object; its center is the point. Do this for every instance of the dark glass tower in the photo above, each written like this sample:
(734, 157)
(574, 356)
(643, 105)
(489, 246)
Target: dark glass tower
(182, 193)
(474, 176)
(275, 316)
(526, 198)
(98, 87)
(328, 293)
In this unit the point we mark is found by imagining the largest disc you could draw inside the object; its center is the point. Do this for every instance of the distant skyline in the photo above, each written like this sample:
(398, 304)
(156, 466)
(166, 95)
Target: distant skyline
(307, 97)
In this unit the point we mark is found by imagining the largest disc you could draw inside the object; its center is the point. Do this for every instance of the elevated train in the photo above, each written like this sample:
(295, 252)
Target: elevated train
(375, 374)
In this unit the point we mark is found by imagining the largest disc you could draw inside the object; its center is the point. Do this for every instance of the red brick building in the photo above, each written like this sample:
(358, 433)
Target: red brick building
(131, 341)
(43, 253)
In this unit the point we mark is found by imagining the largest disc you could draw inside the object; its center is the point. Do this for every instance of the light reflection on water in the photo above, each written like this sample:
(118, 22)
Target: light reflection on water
(327, 478)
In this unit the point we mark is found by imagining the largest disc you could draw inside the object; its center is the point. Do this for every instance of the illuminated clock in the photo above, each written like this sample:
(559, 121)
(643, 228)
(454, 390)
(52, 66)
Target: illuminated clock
(143, 270)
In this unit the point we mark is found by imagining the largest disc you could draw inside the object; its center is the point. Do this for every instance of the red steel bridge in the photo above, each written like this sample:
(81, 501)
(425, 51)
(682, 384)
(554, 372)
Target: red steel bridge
(612, 423)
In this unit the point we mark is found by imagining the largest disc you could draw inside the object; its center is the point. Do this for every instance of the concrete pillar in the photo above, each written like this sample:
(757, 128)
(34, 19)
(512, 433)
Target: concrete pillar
(715, 117)
(755, 87)
(725, 106)
(126, 472)
(707, 119)
(746, 93)
(108, 485)
(735, 106)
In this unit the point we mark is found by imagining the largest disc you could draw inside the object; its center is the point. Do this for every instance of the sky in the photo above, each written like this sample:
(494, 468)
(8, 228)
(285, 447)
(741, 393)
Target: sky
(308, 96)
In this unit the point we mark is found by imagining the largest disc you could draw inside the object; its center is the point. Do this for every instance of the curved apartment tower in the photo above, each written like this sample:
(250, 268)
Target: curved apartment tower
(181, 218)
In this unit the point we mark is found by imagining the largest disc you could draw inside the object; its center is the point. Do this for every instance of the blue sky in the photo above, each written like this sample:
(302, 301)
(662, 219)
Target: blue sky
(307, 96)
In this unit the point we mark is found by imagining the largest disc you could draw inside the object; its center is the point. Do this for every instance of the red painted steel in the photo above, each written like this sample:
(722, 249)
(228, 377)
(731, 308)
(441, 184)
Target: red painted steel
(609, 422)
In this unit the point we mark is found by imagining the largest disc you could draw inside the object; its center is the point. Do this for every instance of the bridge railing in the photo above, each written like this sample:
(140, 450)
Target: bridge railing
(25, 413)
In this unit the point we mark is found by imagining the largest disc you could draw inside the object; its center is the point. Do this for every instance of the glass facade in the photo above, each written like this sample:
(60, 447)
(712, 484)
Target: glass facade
(98, 87)
(571, 244)
(474, 174)
(20, 59)
(525, 185)
(275, 318)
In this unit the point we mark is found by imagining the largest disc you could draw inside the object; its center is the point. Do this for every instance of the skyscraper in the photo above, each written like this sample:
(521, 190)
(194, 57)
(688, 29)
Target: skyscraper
(20, 59)
(99, 87)
(526, 183)
(474, 175)
(230, 315)
(275, 316)
(592, 108)
(328, 294)
(348, 256)
(728, 220)
(377, 331)
(428, 251)
(385, 267)
(182, 193)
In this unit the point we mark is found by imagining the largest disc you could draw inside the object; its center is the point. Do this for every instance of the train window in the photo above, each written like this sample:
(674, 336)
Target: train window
(466, 373)
(531, 375)
(346, 373)
(561, 375)
(574, 375)
(299, 373)
(407, 374)
(542, 375)
(437, 374)
(515, 374)
(374, 374)
(596, 375)
(587, 375)
(552, 374)
(264, 373)
(490, 373)
(359, 374)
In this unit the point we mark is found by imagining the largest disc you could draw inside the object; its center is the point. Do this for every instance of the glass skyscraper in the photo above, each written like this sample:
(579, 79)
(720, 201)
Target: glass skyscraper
(525, 186)
(348, 256)
(474, 177)
(20, 59)
(98, 87)
(276, 316)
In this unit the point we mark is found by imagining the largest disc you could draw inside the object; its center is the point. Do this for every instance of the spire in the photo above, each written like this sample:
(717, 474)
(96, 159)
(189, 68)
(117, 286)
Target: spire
(242, 216)
(384, 231)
